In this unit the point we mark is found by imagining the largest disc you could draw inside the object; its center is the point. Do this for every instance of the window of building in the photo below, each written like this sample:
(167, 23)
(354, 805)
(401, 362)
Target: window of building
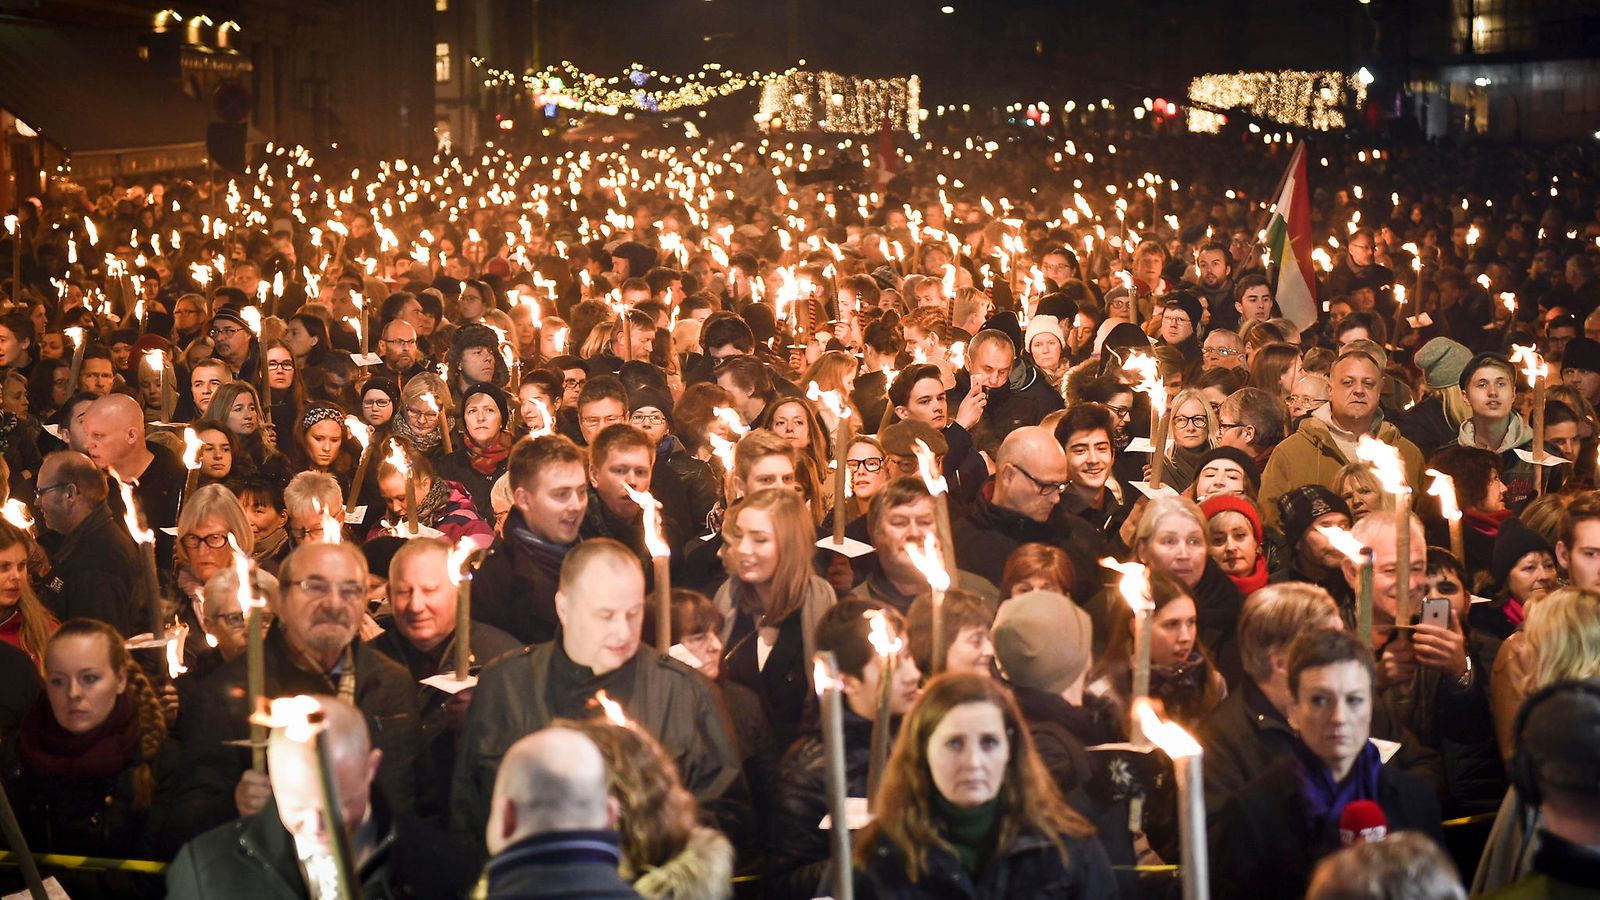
(441, 62)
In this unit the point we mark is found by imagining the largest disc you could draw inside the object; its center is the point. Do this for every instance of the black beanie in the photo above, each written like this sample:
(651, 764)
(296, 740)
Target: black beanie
(493, 392)
(1300, 506)
(1233, 454)
(1514, 541)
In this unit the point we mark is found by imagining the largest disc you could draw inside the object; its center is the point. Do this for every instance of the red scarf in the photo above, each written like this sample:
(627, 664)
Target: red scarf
(1255, 581)
(1485, 522)
(1513, 611)
(487, 460)
(49, 749)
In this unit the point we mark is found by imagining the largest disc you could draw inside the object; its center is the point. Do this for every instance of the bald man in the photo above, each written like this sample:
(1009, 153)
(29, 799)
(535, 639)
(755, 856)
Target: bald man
(600, 604)
(270, 853)
(551, 821)
(113, 436)
(95, 569)
(313, 647)
(1020, 505)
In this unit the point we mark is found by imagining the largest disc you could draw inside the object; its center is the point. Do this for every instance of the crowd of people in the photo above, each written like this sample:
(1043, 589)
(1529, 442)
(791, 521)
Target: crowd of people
(940, 395)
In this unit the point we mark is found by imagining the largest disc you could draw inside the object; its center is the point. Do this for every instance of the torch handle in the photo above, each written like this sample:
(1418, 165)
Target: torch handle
(463, 639)
(838, 802)
(1364, 600)
(360, 478)
(887, 664)
(662, 569)
(840, 485)
(333, 815)
(19, 846)
(1192, 827)
(256, 684)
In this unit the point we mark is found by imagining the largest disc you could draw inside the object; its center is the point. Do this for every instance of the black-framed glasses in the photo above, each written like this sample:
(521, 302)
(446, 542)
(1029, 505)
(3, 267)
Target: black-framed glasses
(318, 588)
(280, 365)
(378, 401)
(214, 541)
(1190, 421)
(1302, 400)
(1120, 412)
(648, 419)
(45, 489)
(1224, 426)
(226, 334)
(1046, 488)
(573, 382)
(870, 464)
(1219, 351)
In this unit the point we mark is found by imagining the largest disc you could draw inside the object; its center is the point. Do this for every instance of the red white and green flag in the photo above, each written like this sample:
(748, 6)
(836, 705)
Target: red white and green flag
(1289, 243)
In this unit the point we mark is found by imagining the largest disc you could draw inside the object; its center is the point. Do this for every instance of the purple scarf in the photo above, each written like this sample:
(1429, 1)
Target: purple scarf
(1325, 800)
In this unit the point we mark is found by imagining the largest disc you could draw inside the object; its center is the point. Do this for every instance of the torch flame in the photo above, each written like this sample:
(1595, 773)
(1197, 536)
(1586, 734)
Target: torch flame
(928, 468)
(830, 399)
(130, 516)
(1385, 462)
(654, 540)
(191, 448)
(300, 717)
(248, 600)
(547, 420)
(1534, 367)
(76, 335)
(397, 457)
(359, 430)
(16, 512)
(612, 709)
(332, 532)
(822, 675)
(731, 419)
(460, 561)
(252, 318)
(1134, 585)
(175, 666)
(1169, 737)
(930, 562)
(884, 642)
(1343, 541)
(1444, 487)
(155, 361)
(1150, 384)
(724, 450)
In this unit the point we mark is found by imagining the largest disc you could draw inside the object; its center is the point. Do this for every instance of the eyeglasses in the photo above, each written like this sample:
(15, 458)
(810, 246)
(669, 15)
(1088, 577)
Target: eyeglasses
(648, 419)
(1046, 488)
(905, 465)
(422, 415)
(599, 421)
(45, 489)
(1120, 412)
(378, 401)
(401, 342)
(282, 365)
(573, 382)
(226, 334)
(1302, 400)
(1219, 351)
(870, 464)
(1224, 426)
(318, 588)
(1190, 421)
(214, 541)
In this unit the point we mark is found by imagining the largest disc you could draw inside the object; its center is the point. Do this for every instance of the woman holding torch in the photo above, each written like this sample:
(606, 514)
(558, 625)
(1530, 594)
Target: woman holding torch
(967, 805)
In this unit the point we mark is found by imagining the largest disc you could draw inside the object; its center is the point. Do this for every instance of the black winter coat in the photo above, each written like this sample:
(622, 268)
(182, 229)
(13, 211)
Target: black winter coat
(987, 534)
(457, 467)
(1030, 867)
(96, 573)
(1026, 399)
(1261, 845)
(255, 857)
(798, 863)
(668, 699)
(1246, 735)
(217, 713)
(515, 587)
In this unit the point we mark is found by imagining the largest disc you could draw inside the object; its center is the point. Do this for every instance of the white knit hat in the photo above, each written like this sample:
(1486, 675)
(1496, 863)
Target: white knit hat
(1043, 325)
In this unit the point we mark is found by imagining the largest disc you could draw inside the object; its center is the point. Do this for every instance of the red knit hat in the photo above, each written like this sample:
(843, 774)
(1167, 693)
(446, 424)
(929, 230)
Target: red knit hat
(1219, 503)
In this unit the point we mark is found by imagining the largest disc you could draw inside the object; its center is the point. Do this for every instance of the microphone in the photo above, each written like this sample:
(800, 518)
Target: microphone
(1362, 822)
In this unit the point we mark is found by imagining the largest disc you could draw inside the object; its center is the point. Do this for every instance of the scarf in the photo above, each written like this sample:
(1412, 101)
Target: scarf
(487, 460)
(425, 442)
(431, 505)
(973, 833)
(1256, 580)
(1182, 688)
(103, 752)
(1325, 799)
(1514, 611)
(1485, 523)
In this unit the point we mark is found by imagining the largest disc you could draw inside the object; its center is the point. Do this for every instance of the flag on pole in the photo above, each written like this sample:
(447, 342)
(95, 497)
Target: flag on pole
(1289, 242)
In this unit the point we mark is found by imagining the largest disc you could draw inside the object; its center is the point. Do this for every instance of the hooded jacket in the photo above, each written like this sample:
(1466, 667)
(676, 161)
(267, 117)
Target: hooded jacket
(1025, 399)
(1514, 471)
(1312, 455)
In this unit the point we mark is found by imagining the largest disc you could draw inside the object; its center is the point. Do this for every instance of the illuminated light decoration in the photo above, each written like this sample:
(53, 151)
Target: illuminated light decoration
(566, 86)
(1316, 100)
(805, 101)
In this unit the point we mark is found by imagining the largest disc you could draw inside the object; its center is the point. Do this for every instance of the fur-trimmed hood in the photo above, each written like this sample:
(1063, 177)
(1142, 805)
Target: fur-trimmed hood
(702, 871)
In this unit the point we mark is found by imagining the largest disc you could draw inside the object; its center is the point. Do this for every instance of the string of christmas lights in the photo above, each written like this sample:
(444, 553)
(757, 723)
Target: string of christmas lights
(829, 101)
(1316, 100)
(639, 88)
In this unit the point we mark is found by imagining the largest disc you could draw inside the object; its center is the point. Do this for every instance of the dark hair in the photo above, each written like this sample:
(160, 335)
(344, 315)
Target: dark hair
(619, 436)
(692, 613)
(318, 329)
(603, 387)
(1327, 647)
(262, 490)
(1377, 329)
(1084, 417)
(750, 374)
(844, 628)
(1264, 411)
(724, 329)
(902, 491)
(1245, 282)
(1471, 468)
(1442, 561)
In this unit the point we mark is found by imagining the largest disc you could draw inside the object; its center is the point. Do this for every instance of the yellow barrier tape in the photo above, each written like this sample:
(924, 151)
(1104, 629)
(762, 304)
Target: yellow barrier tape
(99, 863)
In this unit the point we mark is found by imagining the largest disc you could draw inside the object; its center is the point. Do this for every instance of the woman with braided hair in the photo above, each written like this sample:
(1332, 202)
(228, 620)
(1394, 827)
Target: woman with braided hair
(85, 767)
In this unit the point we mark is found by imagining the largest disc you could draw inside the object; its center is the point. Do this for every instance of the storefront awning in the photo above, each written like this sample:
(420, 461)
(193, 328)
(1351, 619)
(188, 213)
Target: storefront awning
(88, 93)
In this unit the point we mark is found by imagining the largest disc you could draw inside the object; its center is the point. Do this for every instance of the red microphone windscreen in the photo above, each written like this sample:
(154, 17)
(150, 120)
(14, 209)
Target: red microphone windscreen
(1362, 822)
